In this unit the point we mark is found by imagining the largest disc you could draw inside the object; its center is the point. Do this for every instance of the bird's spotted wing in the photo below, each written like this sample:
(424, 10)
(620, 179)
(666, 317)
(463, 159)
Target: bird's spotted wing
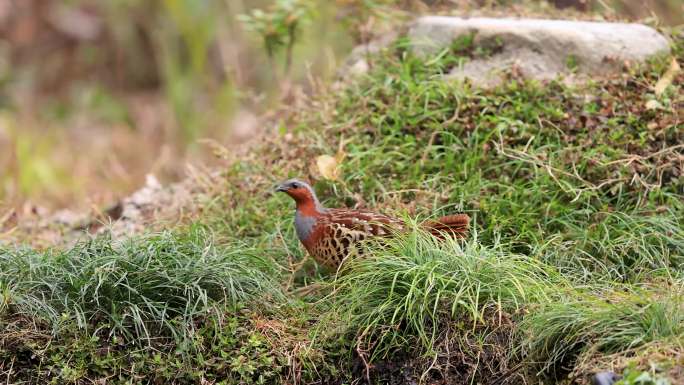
(340, 230)
(368, 222)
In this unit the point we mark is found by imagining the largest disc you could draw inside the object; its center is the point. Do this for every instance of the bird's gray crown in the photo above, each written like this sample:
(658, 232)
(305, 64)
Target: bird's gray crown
(294, 183)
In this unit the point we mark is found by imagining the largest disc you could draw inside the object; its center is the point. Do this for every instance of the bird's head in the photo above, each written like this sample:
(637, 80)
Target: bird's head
(299, 190)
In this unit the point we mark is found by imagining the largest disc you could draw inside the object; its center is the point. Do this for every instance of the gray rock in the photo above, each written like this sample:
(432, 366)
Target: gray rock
(605, 378)
(539, 49)
(357, 63)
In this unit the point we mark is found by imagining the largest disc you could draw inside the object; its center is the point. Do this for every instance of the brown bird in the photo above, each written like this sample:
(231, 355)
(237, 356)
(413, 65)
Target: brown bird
(330, 235)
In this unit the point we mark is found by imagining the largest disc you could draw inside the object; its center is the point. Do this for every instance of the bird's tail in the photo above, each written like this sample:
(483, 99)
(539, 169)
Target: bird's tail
(453, 225)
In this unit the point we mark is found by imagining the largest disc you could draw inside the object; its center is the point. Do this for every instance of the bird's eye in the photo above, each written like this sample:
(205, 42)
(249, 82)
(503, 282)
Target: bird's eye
(295, 185)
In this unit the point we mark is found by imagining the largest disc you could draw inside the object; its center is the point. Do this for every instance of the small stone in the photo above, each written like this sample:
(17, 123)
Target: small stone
(360, 67)
(68, 218)
(245, 125)
(653, 104)
(604, 378)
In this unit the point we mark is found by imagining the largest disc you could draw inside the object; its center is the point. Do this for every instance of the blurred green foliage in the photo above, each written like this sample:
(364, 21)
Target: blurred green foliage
(279, 26)
(77, 69)
(192, 63)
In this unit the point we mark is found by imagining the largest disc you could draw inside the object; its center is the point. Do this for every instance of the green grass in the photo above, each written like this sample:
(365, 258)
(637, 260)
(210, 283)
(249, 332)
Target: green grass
(520, 156)
(574, 263)
(614, 320)
(400, 293)
(138, 289)
(617, 245)
(572, 200)
(587, 190)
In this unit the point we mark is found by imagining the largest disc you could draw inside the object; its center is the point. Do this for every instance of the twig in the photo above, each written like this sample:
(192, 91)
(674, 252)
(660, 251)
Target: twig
(427, 371)
(290, 44)
(634, 157)
(522, 156)
(427, 148)
(503, 378)
(6, 217)
(9, 372)
(362, 355)
(293, 268)
(305, 290)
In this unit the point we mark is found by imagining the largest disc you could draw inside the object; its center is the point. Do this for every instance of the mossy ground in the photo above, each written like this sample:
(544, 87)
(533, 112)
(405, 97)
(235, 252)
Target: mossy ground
(574, 263)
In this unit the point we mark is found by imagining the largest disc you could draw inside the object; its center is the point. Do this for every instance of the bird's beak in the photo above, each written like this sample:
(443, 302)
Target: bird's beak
(281, 188)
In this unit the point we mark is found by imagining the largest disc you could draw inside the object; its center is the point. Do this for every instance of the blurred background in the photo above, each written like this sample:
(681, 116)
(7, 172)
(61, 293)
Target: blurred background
(96, 94)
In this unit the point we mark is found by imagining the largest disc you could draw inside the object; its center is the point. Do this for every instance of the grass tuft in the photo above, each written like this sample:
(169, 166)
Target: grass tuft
(619, 319)
(615, 245)
(403, 289)
(138, 288)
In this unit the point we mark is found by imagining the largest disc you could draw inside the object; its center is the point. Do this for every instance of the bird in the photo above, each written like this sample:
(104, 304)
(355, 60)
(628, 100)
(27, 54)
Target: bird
(330, 235)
